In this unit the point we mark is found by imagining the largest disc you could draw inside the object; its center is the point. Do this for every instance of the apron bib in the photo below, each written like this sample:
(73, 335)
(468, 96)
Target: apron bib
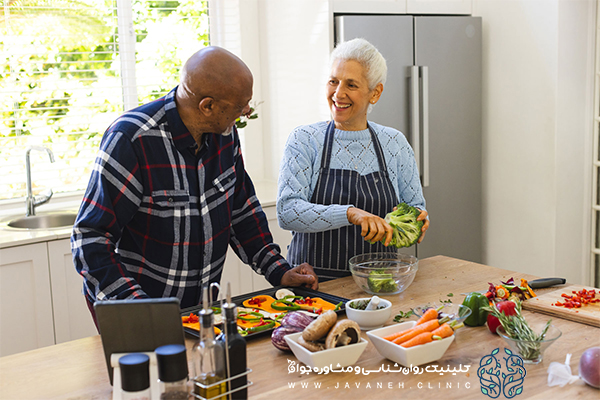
(328, 252)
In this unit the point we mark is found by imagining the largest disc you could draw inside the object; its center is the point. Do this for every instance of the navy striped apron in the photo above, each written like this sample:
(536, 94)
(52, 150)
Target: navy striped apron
(329, 251)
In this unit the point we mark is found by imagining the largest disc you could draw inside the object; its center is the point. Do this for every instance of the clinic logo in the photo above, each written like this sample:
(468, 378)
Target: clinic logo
(501, 375)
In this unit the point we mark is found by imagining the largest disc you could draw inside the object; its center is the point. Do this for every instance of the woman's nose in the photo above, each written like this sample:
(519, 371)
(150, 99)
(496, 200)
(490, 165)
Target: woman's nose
(339, 92)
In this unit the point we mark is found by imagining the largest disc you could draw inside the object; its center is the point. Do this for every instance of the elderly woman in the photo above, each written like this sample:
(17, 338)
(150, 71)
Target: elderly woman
(339, 178)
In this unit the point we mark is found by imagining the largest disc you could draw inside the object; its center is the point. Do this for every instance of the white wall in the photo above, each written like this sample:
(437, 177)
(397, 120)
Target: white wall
(537, 118)
(537, 122)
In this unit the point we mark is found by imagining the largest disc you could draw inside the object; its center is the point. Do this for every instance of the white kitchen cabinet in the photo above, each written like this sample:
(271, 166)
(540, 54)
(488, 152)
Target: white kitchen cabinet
(460, 7)
(72, 319)
(26, 321)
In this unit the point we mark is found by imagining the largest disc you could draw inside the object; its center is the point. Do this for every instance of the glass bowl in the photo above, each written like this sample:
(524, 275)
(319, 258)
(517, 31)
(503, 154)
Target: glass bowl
(531, 351)
(456, 312)
(383, 274)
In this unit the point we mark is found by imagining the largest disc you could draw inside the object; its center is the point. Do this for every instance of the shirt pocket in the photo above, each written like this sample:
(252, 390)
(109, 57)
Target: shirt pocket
(171, 198)
(225, 181)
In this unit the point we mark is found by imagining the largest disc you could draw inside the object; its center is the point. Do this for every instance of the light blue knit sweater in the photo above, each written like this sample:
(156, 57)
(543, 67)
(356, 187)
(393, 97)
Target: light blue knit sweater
(351, 150)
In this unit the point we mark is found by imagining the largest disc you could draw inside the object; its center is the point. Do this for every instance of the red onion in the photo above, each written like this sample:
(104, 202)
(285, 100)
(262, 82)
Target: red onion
(296, 319)
(278, 334)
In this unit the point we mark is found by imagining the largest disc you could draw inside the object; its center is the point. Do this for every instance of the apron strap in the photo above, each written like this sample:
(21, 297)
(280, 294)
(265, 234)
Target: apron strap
(378, 151)
(328, 147)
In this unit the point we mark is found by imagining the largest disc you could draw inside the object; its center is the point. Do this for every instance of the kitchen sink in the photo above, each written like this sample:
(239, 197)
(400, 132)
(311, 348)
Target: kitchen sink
(48, 220)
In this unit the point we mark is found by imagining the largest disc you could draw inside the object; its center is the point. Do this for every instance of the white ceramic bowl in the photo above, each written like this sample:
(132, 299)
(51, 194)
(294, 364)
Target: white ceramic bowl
(383, 274)
(338, 358)
(369, 319)
(418, 355)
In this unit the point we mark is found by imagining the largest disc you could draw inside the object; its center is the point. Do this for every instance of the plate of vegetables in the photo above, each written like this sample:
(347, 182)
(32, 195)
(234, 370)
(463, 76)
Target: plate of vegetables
(261, 312)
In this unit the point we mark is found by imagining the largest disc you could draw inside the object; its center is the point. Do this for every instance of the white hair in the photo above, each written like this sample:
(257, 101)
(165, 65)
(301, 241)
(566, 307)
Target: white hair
(366, 55)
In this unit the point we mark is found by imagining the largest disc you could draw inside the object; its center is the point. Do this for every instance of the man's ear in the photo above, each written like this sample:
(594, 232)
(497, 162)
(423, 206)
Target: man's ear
(206, 105)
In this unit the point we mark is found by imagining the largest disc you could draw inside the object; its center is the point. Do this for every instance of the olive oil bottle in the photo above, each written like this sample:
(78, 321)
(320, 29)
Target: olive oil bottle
(235, 349)
(208, 357)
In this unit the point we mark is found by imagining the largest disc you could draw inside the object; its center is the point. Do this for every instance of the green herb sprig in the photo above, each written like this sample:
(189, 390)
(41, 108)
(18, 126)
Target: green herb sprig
(517, 328)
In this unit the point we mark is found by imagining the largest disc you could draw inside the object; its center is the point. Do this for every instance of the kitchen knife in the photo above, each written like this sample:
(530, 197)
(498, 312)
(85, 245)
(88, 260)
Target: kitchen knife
(537, 283)
(546, 282)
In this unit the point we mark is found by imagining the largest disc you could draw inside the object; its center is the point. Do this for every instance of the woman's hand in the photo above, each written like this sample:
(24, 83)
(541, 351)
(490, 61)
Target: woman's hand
(423, 217)
(374, 228)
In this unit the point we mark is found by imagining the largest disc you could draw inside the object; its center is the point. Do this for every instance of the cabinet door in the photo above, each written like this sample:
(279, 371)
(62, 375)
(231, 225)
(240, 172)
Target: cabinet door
(25, 302)
(463, 7)
(72, 319)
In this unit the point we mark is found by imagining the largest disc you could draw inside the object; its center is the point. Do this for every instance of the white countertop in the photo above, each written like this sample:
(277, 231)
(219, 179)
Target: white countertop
(9, 237)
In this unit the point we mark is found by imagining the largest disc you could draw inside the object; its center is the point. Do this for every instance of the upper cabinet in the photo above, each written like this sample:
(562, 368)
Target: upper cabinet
(460, 7)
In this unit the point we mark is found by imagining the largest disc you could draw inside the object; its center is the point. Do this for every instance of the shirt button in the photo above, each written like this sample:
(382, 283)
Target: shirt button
(170, 199)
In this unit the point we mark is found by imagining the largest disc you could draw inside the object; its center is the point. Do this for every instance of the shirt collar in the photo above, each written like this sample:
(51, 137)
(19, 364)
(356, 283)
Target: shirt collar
(182, 137)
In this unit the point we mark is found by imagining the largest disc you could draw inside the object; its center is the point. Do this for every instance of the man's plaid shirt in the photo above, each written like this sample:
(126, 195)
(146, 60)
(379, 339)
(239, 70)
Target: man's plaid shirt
(157, 218)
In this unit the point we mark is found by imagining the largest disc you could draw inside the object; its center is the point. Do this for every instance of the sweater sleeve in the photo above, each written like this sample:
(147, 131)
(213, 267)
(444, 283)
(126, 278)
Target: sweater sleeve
(297, 178)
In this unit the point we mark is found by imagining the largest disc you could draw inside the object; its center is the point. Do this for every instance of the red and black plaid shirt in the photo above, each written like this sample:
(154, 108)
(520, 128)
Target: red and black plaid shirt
(157, 218)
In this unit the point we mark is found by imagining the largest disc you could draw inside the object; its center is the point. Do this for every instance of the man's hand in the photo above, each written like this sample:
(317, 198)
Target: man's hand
(302, 275)
(374, 228)
(423, 217)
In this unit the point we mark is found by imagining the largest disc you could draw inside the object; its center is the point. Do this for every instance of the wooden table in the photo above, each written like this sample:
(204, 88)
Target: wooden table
(76, 370)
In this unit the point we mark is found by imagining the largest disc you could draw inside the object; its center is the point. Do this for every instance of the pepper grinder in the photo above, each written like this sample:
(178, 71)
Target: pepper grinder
(172, 372)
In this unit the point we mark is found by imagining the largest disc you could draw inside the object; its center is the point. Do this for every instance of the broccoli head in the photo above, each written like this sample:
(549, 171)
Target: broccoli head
(381, 282)
(407, 229)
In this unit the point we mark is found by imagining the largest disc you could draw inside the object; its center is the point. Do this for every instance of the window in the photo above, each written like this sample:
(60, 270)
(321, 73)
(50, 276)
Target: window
(70, 67)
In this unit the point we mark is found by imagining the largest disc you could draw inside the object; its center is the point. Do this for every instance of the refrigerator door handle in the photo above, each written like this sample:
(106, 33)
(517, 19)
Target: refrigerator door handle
(415, 114)
(425, 124)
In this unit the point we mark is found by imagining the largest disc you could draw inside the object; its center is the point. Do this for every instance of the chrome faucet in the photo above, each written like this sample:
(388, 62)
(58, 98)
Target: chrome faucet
(33, 201)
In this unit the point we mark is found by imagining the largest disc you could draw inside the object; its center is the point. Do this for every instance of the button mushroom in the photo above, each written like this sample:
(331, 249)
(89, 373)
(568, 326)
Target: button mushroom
(310, 345)
(343, 333)
(320, 326)
(281, 293)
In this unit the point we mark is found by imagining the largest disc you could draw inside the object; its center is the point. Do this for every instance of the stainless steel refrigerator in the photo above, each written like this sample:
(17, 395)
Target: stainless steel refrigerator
(433, 96)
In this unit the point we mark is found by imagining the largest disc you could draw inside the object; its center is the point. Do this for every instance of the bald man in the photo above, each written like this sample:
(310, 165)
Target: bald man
(169, 193)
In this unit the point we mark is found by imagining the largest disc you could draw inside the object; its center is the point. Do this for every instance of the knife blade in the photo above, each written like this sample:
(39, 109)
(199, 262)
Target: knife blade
(536, 284)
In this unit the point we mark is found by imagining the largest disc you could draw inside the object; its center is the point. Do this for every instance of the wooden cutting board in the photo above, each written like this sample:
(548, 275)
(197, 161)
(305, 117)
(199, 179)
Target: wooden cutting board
(588, 314)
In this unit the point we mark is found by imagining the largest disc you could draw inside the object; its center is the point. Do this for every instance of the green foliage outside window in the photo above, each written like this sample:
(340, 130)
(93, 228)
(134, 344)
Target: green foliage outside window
(61, 82)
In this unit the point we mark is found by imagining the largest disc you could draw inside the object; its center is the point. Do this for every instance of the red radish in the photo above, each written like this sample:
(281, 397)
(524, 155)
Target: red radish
(507, 307)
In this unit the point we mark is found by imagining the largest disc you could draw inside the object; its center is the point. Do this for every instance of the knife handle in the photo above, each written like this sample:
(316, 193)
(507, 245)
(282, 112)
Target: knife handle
(546, 282)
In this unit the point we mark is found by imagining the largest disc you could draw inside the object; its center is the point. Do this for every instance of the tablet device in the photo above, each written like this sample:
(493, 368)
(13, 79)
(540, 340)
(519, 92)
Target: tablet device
(131, 326)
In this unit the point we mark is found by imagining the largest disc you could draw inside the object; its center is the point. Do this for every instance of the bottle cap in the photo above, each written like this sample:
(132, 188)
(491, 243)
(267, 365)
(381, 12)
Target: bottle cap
(172, 362)
(135, 372)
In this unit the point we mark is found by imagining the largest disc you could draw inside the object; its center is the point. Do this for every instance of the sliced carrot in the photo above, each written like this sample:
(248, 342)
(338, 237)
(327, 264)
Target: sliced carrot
(444, 331)
(428, 326)
(428, 315)
(421, 338)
